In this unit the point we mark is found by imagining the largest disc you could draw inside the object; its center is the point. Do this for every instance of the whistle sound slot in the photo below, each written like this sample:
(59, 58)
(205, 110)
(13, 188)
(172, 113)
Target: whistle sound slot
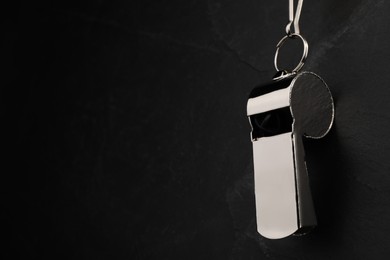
(271, 123)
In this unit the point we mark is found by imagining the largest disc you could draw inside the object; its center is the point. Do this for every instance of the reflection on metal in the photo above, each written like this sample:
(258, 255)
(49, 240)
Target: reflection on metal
(282, 113)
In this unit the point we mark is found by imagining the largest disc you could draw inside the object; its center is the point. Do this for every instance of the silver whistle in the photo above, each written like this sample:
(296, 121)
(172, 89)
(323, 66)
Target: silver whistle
(281, 114)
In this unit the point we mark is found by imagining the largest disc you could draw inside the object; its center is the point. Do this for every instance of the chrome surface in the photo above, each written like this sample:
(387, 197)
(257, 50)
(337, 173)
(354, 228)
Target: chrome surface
(284, 203)
(275, 192)
(274, 100)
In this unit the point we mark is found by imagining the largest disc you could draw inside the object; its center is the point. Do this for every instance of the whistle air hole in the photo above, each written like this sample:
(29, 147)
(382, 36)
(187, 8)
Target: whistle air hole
(271, 123)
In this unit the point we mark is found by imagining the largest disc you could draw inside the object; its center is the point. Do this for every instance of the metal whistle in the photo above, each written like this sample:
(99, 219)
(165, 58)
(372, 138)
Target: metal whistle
(281, 113)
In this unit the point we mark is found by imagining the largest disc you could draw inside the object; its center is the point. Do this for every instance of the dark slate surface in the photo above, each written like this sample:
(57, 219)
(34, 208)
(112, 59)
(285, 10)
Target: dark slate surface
(129, 138)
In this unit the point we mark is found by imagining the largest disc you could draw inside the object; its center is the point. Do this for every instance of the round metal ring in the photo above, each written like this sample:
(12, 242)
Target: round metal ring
(304, 55)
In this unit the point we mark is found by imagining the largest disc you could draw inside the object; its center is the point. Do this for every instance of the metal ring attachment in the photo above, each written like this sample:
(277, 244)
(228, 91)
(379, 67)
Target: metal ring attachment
(304, 55)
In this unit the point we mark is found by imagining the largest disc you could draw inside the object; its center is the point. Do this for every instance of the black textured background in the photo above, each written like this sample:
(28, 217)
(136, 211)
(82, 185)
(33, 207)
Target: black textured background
(129, 138)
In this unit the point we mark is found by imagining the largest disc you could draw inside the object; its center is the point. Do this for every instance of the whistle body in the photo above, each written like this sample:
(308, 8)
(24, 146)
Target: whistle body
(281, 114)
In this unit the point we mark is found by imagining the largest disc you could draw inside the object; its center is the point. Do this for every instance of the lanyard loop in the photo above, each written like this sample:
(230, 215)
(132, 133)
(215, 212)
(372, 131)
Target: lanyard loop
(294, 20)
(304, 53)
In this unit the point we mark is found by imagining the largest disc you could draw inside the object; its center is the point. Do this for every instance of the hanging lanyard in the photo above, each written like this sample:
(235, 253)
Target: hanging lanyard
(294, 20)
(295, 34)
